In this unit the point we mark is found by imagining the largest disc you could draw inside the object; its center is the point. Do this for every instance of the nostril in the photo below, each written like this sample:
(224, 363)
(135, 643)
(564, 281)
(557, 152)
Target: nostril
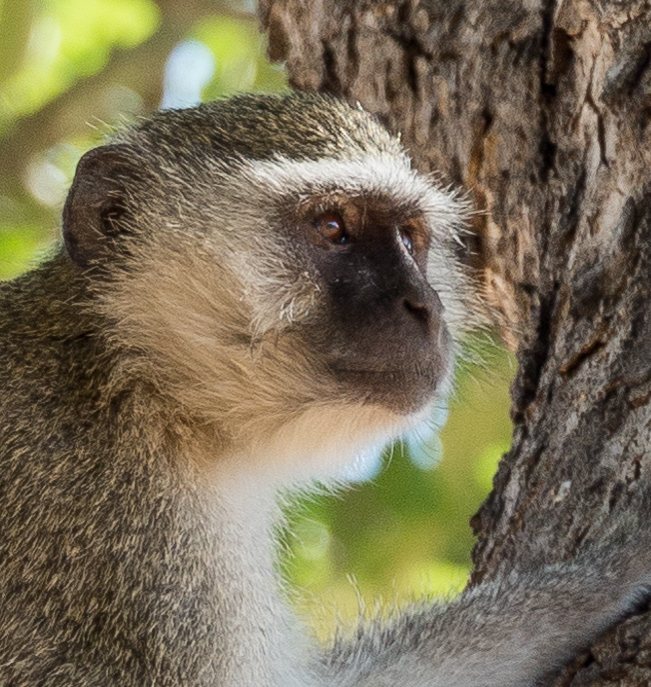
(420, 311)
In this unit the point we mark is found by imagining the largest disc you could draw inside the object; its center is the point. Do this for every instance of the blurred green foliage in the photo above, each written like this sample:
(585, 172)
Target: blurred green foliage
(67, 40)
(402, 533)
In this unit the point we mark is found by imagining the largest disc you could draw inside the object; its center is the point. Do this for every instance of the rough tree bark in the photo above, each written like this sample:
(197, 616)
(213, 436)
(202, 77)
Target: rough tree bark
(542, 109)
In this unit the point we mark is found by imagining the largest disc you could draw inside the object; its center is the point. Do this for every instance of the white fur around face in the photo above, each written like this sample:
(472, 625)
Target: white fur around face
(316, 445)
(389, 175)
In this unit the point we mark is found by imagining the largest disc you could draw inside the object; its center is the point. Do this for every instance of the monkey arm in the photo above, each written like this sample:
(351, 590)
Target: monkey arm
(504, 633)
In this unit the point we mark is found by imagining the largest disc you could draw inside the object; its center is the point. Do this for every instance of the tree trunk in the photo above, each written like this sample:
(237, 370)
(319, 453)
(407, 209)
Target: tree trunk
(542, 110)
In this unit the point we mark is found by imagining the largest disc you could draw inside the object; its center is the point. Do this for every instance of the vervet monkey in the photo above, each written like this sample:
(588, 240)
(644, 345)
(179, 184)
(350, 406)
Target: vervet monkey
(251, 293)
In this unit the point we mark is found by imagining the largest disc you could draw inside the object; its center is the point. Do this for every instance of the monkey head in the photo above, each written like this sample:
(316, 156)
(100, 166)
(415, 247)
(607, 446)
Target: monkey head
(274, 267)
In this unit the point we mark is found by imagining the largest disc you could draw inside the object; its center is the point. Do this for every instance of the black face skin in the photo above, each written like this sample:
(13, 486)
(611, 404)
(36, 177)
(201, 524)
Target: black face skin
(383, 336)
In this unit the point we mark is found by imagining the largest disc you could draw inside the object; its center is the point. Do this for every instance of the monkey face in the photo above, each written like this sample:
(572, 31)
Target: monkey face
(256, 281)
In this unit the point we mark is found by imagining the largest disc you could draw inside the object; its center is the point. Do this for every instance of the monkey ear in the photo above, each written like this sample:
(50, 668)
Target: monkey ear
(95, 212)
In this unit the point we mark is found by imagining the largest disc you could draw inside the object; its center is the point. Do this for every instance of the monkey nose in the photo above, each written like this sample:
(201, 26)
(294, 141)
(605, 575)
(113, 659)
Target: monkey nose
(421, 303)
(418, 309)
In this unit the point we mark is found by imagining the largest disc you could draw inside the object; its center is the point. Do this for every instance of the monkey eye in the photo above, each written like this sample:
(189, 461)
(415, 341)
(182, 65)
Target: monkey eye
(332, 227)
(406, 240)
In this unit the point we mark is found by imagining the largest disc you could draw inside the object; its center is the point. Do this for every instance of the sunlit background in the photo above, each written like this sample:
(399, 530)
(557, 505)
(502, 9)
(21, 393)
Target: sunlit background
(71, 71)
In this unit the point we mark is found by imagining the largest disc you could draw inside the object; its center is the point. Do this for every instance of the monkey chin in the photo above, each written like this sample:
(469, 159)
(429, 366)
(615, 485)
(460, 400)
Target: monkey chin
(324, 438)
(359, 411)
(315, 446)
(403, 391)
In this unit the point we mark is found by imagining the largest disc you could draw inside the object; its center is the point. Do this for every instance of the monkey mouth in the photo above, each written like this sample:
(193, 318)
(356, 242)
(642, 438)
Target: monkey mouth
(401, 389)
